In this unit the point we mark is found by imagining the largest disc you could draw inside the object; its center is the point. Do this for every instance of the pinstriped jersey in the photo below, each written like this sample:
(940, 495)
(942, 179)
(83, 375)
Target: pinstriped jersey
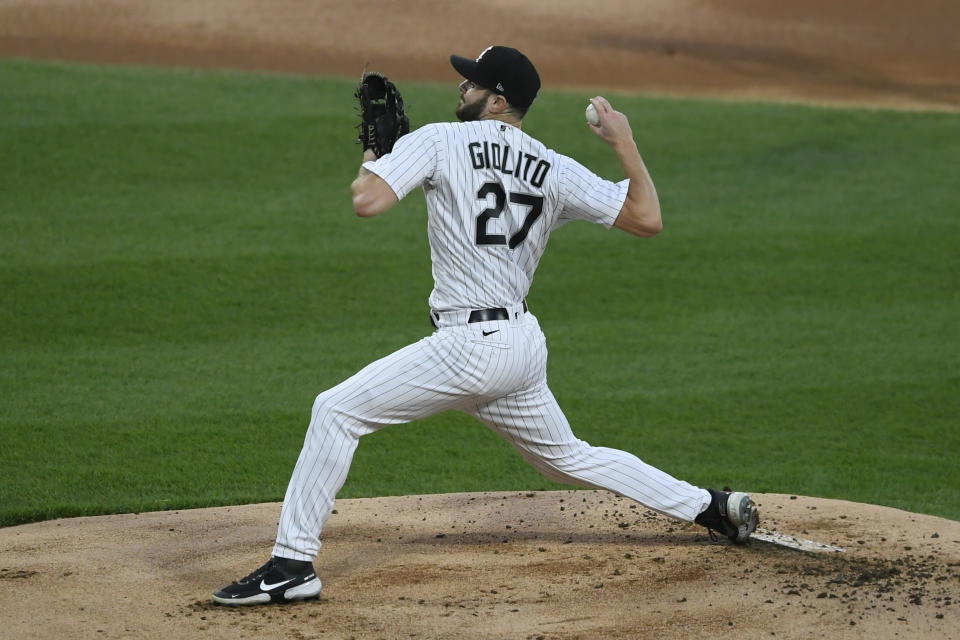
(493, 196)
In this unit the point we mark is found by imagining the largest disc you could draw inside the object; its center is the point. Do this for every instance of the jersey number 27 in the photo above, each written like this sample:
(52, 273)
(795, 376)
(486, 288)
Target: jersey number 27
(535, 203)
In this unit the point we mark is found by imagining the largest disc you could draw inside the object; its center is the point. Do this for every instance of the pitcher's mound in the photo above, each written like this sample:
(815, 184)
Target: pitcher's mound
(565, 564)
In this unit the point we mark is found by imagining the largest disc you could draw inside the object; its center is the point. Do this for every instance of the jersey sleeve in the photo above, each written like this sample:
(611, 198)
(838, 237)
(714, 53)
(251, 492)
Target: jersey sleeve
(411, 163)
(586, 196)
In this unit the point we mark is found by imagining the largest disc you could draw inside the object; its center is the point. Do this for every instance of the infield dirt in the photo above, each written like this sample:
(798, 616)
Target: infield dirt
(508, 565)
(549, 565)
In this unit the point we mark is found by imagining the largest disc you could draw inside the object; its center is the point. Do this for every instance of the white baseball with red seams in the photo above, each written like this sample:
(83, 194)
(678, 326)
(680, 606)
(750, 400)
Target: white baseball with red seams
(493, 196)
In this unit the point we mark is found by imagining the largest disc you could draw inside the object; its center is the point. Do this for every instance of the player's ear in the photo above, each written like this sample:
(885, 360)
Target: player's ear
(499, 104)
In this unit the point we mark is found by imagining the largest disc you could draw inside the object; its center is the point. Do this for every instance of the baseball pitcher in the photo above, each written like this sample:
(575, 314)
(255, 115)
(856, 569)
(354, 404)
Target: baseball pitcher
(493, 195)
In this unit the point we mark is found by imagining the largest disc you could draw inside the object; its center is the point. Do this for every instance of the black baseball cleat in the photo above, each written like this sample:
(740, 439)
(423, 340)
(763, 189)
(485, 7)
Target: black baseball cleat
(280, 580)
(731, 513)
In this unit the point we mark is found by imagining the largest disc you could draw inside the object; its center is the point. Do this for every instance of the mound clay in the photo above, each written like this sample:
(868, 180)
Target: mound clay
(546, 565)
(508, 565)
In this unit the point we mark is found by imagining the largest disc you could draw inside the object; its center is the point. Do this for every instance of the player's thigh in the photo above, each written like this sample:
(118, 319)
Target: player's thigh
(411, 383)
(532, 421)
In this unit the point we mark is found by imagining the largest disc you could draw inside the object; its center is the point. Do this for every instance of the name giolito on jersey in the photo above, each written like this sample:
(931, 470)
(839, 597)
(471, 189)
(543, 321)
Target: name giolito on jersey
(523, 166)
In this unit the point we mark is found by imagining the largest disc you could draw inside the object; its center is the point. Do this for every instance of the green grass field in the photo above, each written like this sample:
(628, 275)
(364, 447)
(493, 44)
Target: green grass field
(182, 273)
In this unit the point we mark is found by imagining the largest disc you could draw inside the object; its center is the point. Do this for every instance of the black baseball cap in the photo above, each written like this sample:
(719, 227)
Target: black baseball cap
(503, 70)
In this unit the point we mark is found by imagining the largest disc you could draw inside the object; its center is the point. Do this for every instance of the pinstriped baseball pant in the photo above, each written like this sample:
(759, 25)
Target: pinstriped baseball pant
(501, 380)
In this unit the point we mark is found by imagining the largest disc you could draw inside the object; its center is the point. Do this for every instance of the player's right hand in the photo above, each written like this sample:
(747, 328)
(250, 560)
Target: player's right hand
(614, 128)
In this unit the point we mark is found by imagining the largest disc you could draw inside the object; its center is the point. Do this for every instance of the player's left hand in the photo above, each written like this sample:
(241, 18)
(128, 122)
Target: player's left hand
(383, 118)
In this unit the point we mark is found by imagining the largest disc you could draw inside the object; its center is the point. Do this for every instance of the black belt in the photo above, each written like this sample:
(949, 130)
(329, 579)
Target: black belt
(498, 313)
(484, 315)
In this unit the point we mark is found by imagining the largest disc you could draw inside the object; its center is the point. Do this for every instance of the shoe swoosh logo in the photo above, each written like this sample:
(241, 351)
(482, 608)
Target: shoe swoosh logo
(487, 333)
(267, 587)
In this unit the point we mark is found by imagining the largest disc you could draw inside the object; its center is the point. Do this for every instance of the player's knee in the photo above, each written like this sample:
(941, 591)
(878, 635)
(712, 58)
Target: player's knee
(320, 403)
(328, 416)
(324, 410)
(571, 458)
(559, 459)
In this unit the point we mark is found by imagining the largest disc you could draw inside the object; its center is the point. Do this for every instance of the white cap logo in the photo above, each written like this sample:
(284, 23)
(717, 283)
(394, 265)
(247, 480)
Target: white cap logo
(484, 52)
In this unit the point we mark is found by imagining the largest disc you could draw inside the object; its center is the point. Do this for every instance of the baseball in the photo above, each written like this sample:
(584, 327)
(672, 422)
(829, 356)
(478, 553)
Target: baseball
(592, 116)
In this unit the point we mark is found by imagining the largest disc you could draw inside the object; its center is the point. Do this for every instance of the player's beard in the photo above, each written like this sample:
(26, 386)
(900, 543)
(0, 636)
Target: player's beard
(470, 111)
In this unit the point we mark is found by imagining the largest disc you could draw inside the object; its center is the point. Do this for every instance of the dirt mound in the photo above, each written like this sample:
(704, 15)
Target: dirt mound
(567, 564)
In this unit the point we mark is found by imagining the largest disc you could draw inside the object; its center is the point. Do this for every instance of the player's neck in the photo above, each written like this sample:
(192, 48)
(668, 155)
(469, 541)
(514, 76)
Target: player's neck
(503, 118)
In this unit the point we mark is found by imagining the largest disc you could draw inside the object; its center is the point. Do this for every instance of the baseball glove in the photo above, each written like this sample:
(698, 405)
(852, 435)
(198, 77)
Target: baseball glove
(382, 116)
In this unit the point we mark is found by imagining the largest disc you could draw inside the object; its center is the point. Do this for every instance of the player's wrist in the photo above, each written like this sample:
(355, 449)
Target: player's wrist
(625, 146)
